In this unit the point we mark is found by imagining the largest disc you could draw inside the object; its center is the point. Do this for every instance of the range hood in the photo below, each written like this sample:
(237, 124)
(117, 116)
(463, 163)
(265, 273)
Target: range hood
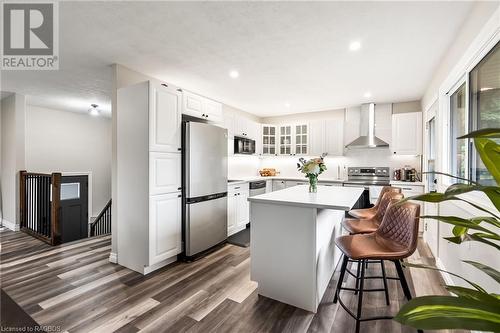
(367, 138)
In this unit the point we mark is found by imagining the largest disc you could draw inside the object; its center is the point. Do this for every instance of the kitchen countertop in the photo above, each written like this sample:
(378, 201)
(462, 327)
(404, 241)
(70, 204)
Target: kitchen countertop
(241, 180)
(401, 183)
(327, 197)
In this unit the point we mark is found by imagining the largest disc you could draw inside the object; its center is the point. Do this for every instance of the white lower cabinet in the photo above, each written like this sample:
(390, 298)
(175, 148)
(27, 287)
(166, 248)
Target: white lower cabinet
(290, 183)
(165, 227)
(238, 208)
(278, 185)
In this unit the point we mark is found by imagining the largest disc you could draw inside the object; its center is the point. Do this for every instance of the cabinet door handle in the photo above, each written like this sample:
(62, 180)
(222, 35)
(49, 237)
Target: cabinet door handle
(236, 187)
(179, 196)
(179, 188)
(165, 85)
(179, 149)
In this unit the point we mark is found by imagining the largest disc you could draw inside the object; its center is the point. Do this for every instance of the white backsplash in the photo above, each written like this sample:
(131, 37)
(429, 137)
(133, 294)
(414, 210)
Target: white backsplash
(244, 166)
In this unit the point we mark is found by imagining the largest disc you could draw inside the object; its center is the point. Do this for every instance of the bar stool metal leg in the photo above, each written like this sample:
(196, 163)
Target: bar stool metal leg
(402, 279)
(343, 268)
(358, 264)
(384, 279)
(360, 296)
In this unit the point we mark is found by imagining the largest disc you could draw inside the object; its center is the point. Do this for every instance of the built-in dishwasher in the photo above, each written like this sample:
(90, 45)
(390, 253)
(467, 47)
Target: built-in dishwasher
(257, 187)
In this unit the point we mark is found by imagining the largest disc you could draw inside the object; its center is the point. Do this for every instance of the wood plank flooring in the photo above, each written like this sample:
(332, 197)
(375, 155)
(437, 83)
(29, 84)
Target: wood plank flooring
(74, 288)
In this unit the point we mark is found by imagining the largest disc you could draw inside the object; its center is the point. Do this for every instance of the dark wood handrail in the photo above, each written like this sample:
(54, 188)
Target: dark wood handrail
(39, 205)
(102, 223)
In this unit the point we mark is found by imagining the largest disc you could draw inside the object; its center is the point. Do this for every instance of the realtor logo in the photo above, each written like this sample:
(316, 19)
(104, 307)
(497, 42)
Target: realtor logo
(30, 36)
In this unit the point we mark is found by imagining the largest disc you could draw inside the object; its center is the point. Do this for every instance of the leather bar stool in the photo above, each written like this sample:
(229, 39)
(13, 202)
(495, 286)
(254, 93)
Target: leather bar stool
(367, 213)
(395, 240)
(362, 226)
(367, 225)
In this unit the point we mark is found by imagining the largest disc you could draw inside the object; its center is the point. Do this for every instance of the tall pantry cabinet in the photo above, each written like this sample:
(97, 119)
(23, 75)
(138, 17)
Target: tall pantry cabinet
(149, 206)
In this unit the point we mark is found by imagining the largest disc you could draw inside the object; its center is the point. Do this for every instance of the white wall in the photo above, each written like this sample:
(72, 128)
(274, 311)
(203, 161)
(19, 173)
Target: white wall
(62, 141)
(13, 157)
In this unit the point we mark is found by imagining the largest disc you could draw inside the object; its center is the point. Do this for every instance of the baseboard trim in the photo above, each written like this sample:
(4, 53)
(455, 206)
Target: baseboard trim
(113, 258)
(446, 277)
(10, 225)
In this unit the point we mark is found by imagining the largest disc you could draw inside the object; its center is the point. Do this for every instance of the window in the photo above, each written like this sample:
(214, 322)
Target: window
(484, 83)
(458, 128)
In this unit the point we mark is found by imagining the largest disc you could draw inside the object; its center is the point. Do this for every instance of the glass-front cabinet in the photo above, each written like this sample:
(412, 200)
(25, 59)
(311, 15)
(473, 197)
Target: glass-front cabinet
(285, 140)
(268, 140)
(301, 142)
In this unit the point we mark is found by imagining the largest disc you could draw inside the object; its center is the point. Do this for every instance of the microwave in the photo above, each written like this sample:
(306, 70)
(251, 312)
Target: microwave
(244, 146)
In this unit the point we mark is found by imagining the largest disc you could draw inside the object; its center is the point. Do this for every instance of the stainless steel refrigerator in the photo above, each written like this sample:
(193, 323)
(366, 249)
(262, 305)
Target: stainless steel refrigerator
(205, 187)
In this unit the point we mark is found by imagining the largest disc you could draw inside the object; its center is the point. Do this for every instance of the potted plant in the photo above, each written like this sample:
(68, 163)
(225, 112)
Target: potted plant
(312, 169)
(471, 308)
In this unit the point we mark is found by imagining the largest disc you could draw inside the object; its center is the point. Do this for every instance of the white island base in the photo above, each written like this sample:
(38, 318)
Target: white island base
(293, 253)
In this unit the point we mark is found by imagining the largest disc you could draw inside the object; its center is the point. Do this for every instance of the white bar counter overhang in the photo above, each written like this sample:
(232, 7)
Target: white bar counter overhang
(292, 247)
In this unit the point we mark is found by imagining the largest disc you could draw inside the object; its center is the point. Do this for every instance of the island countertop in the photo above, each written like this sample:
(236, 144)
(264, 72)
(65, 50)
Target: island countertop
(327, 197)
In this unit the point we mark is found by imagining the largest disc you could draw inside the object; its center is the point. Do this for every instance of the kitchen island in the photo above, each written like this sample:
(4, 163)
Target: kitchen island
(293, 253)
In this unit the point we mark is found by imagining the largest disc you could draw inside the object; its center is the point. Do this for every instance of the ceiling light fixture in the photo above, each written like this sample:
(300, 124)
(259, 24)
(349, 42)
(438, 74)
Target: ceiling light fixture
(287, 105)
(367, 94)
(94, 111)
(234, 74)
(354, 46)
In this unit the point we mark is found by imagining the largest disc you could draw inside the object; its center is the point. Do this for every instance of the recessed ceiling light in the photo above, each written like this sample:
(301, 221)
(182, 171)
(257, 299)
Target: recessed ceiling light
(287, 105)
(367, 94)
(485, 89)
(354, 46)
(234, 74)
(94, 111)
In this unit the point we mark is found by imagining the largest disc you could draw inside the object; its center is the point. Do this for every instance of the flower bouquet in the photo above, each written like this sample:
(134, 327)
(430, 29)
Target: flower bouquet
(312, 169)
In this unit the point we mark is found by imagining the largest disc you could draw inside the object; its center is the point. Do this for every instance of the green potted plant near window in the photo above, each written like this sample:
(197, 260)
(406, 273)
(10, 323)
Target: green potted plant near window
(472, 307)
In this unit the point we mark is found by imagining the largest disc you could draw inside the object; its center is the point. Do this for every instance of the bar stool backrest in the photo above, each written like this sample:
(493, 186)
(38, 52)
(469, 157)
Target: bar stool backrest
(386, 189)
(384, 203)
(399, 228)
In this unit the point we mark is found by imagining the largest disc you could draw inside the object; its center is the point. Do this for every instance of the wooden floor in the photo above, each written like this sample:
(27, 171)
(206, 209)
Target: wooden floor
(74, 288)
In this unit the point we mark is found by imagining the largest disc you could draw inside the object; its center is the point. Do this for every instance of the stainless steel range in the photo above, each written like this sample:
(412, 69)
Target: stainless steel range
(368, 176)
(372, 179)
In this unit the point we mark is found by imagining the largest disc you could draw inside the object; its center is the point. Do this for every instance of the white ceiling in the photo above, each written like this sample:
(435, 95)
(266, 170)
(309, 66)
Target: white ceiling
(286, 52)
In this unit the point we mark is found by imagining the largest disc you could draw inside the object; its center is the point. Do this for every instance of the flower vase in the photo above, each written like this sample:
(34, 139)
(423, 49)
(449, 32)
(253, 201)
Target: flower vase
(313, 184)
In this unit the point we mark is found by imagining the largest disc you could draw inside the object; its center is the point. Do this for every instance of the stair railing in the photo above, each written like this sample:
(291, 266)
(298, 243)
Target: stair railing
(102, 224)
(39, 205)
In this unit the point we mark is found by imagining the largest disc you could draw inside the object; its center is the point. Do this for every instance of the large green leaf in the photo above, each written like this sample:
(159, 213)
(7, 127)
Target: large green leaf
(451, 176)
(458, 221)
(482, 133)
(493, 273)
(474, 294)
(478, 237)
(475, 285)
(493, 192)
(489, 151)
(448, 312)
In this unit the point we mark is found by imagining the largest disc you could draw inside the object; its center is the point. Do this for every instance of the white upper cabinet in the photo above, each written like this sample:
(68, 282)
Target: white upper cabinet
(317, 137)
(334, 137)
(326, 137)
(201, 107)
(301, 139)
(164, 118)
(293, 139)
(164, 173)
(268, 139)
(407, 133)
(165, 227)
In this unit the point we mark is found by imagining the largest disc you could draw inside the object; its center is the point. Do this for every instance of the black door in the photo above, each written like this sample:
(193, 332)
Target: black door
(74, 208)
